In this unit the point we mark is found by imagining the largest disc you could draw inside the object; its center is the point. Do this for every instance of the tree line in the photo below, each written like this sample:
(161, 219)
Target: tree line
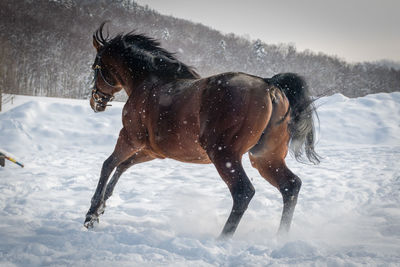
(46, 50)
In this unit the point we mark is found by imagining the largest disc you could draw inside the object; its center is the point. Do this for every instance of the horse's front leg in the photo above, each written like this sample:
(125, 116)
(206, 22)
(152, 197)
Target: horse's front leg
(138, 157)
(97, 204)
(123, 151)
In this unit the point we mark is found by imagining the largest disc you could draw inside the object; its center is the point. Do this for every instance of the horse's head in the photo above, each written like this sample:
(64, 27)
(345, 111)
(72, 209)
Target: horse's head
(106, 80)
(126, 60)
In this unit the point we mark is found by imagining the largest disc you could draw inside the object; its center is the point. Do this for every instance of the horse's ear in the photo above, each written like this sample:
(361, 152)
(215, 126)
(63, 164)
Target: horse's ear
(96, 43)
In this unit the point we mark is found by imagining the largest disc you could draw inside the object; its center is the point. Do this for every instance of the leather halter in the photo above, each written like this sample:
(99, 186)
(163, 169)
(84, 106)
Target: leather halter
(97, 69)
(98, 96)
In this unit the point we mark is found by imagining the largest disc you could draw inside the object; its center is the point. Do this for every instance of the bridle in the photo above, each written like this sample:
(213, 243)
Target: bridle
(98, 96)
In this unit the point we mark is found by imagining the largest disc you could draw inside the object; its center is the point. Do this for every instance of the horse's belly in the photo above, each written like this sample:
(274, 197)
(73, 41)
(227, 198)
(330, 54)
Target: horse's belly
(181, 147)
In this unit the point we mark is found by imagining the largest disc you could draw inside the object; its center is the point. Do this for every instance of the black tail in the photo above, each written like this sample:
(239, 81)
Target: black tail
(302, 109)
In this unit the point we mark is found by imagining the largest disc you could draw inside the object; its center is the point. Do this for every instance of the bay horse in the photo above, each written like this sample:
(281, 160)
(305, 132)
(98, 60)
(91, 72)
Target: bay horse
(172, 112)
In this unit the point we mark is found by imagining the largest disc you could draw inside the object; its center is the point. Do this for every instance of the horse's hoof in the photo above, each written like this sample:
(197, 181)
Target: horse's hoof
(224, 237)
(90, 221)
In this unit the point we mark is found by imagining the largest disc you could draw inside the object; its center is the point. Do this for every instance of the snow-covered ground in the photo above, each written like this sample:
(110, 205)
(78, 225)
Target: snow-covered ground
(169, 213)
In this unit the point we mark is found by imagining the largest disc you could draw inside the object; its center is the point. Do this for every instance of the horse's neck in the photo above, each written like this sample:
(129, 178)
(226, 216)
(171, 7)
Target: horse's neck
(128, 90)
(135, 87)
(145, 85)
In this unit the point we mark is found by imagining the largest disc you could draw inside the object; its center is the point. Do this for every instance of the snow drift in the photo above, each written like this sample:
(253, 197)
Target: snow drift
(168, 213)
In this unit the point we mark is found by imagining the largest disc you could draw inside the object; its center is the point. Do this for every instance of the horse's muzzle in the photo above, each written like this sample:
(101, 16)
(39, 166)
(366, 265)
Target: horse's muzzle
(96, 106)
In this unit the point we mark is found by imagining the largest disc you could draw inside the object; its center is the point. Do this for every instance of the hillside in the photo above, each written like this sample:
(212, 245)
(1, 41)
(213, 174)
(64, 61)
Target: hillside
(50, 53)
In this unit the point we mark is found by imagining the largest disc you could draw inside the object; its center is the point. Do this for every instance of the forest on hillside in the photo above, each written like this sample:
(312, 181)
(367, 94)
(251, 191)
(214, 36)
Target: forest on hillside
(47, 50)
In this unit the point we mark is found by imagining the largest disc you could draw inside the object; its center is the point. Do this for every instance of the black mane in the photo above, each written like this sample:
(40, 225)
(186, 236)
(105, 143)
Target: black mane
(144, 54)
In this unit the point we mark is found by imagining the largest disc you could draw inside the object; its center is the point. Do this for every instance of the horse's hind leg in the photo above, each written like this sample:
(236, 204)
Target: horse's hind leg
(289, 186)
(231, 170)
(278, 174)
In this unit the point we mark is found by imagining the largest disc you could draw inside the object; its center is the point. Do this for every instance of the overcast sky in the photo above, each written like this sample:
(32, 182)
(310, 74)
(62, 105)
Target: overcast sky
(354, 30)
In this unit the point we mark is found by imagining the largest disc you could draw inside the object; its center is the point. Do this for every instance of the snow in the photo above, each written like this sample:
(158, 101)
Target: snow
(169, 213)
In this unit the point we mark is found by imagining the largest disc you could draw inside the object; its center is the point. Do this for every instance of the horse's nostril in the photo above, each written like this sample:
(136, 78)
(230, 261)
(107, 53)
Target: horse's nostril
(98, 108)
